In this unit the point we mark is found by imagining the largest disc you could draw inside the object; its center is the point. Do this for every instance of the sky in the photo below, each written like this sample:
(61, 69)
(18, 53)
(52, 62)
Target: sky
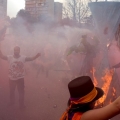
(15, 5)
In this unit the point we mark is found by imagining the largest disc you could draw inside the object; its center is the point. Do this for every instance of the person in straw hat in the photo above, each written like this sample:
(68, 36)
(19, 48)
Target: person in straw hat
(83, 96)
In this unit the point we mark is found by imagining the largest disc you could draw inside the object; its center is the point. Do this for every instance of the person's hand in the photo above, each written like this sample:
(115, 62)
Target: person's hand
(112, 67)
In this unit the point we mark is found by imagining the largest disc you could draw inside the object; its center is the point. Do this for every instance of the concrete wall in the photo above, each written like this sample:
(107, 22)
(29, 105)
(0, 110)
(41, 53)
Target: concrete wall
(3, 8)
(58, 11)
(50, 4)
(44, 8)
(40, 7)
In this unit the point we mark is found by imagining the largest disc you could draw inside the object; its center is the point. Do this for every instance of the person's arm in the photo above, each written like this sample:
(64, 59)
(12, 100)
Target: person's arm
(1, 55)
(32, 58)
(116, 66)
(104, 113)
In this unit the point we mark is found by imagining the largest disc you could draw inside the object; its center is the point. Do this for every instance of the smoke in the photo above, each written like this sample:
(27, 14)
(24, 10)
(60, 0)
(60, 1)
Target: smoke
(46, 77)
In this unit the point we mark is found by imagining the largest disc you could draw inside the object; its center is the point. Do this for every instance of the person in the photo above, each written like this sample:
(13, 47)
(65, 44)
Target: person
(39, 68)
(16, 74)
(47, 60)
(115, 66)
(91, 52)
(81, 104)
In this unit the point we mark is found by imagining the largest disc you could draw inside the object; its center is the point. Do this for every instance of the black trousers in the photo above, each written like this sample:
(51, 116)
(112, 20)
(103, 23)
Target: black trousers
(20, 87)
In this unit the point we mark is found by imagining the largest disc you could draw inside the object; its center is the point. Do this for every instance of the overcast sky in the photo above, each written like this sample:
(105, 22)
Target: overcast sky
(15, 5)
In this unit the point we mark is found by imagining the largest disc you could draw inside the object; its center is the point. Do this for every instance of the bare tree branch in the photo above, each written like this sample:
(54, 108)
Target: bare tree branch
(77, 10)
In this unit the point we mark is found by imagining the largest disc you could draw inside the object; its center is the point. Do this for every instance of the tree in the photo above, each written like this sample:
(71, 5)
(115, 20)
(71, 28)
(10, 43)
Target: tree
(76, 10)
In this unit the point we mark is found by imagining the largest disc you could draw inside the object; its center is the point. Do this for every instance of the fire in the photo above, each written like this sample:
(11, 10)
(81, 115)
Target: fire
(107, 78)
(94, 78)
(114, 92)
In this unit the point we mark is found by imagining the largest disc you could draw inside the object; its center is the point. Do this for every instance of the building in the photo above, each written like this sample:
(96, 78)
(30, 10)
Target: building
(3, 8)
(58, 11)
(38, 8)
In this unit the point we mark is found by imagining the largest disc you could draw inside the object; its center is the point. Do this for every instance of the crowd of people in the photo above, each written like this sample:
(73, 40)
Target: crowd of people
(59, 55)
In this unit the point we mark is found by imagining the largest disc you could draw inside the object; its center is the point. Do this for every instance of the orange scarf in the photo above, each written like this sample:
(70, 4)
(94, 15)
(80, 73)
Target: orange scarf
(87, 98)
(77, 116)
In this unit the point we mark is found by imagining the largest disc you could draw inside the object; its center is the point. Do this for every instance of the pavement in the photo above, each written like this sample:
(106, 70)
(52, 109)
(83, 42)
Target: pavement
(45, 98)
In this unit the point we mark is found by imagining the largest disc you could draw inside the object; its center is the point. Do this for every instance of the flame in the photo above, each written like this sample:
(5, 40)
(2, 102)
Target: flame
(106, 81)
(94, 78)
(114, 90)
(107, 78)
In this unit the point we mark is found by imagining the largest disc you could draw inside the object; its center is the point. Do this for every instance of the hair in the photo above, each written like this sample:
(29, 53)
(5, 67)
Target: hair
(80, 107)
(16, 47)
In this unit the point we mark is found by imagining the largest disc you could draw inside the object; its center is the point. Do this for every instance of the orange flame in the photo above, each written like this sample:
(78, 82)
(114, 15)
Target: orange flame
(114, 92)
(107, 78)
(94, 78)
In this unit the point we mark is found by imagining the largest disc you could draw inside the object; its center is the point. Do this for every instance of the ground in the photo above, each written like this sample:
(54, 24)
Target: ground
(45, 98)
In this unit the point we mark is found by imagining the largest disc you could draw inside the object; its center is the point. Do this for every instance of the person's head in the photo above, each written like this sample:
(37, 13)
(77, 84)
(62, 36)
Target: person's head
(83, 93)
(16, 50)
(84, 38)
